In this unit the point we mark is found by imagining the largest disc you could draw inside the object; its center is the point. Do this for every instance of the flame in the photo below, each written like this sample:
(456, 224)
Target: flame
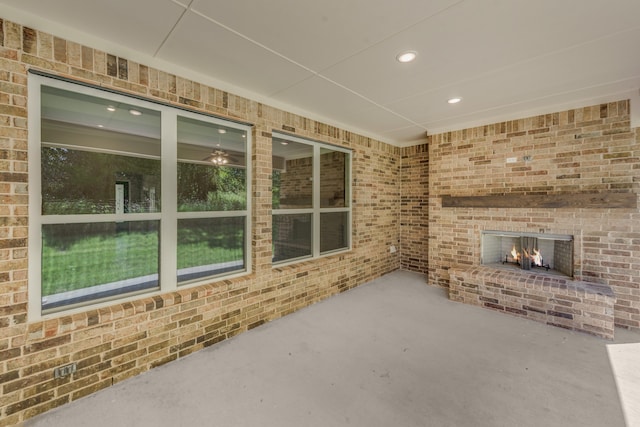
(537, 258)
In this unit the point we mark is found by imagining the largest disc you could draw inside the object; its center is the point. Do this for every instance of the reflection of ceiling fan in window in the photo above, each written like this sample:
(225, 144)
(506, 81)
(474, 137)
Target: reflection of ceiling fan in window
(221, 157)
(217, 157)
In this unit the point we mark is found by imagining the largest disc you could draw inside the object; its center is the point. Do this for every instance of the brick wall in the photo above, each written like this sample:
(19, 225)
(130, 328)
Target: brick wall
(589, 149)
(332, 179)
(116, 342)
(296, 183)
(554, 300)
(414, 201)
(296, 186)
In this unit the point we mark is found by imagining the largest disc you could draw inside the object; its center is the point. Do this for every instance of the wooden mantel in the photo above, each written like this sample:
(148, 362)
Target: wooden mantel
(600, 200)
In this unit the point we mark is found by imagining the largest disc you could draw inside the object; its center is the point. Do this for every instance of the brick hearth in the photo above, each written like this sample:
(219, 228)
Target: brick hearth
(553, 300)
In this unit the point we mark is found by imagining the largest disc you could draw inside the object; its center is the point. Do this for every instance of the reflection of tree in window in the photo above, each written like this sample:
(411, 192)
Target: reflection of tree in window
(83, 182)
(276, 183)
(101, 161)
(209, 188)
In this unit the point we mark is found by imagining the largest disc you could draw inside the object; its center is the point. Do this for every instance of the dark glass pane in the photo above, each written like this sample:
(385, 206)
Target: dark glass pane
(211, 167)
(84, 262)
(210, 246)
(292, 236)
(333, 179)
(292, 185)
(334, 229)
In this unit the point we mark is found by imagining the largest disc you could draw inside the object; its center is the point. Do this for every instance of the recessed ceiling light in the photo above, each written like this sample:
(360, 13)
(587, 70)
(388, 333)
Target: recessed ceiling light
(284, 143)
(407, 56)
(111, 108)
(100, 126)
(135, 112)
(454, 100)
(222, 131)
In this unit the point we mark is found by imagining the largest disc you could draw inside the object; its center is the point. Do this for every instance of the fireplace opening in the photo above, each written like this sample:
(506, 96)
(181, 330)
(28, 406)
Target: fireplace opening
(549, 253)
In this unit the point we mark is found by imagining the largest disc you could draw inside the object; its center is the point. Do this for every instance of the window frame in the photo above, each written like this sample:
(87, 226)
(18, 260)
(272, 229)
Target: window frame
(245, 213)
(168, 215)
(316, 210)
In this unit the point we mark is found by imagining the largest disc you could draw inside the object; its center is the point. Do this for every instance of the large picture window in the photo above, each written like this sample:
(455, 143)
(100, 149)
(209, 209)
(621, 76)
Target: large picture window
(128, 196)
(311, 184)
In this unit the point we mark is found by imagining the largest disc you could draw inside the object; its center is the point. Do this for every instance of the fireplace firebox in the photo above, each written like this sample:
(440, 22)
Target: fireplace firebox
(551, 253)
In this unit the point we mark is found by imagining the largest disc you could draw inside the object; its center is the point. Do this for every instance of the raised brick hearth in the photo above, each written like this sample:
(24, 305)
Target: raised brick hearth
(553, 300)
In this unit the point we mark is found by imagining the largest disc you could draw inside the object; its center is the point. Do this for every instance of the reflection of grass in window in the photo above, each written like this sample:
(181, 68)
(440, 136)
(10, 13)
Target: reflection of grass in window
(200, 253)
(216, 201)
(96, 260)
(204, 242)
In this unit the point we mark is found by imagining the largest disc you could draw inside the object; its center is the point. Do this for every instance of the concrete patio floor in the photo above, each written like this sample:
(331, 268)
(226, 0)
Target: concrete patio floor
(393, 352)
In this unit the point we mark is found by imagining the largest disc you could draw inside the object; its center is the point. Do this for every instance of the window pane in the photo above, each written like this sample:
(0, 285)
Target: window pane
(334, 229)
(83, 182)
(211, 167)
(84, 262)
(292, 185)
(291, 236)
(210, 246)
(333, 178)
(97, 156)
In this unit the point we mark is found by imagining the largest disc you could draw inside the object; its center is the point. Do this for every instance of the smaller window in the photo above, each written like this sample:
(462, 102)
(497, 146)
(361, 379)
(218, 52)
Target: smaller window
(310, 194)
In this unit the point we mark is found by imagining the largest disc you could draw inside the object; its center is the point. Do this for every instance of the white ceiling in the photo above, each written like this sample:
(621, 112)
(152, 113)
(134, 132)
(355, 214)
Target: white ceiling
(334, 60)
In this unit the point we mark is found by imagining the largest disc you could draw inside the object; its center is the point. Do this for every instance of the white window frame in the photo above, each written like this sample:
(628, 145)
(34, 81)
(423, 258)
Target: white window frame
(168, 216)
(316, 210)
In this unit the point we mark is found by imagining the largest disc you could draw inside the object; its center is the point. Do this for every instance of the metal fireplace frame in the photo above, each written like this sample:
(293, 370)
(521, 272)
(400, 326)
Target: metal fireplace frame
(562, 243)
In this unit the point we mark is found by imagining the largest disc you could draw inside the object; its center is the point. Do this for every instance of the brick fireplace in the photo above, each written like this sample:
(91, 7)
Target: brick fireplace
(573, 174)
(531, 275)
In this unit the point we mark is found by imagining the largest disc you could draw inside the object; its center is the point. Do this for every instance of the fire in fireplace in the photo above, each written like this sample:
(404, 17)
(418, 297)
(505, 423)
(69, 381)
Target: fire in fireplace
(527, 255)
(551, 253)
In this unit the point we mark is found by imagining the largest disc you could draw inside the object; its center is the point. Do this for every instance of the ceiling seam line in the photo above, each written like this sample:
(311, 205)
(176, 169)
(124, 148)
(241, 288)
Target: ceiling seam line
(164, 40)
(315, 73)
(249, 39)
(371, 101)
(380, 41)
